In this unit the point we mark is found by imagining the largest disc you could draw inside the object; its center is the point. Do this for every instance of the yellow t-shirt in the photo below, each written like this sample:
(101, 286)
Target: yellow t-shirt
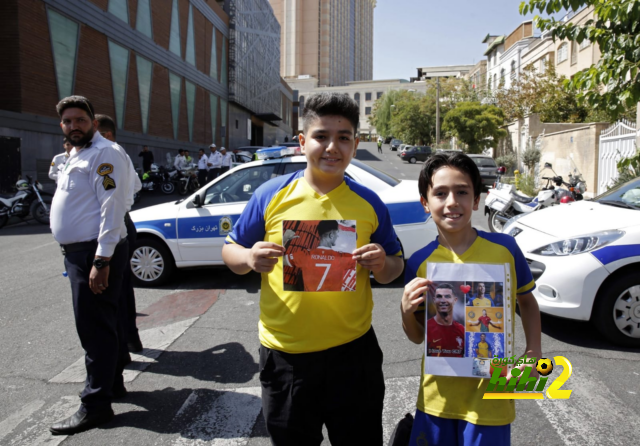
(310, 321)
(456, 397)
(481, 302)
(483, 350)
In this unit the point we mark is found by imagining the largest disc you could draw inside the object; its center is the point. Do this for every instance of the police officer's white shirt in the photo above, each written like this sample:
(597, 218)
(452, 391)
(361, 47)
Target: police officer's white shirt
(226, 160)
(56, 164)
(91, 198)
(202, 162)
(180, 162)
(215, 159)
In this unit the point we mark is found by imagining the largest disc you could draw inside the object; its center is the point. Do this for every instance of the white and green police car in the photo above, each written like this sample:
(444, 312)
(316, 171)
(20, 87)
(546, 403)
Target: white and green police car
(191, 232)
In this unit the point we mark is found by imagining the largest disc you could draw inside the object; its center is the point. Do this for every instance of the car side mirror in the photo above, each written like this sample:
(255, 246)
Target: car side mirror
(196, 201)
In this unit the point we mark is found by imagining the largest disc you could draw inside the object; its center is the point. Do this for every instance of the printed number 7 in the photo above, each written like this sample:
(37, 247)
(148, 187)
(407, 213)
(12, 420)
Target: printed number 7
(554, 391)
(326, 271)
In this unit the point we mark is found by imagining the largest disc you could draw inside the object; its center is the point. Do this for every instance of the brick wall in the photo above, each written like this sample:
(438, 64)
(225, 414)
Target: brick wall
(161, 16)
(133, 11)
(10, 86)
(132, 115)
(160, 123)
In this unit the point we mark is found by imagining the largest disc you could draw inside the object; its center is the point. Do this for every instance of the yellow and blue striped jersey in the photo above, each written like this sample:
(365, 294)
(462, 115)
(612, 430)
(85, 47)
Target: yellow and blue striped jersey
(456, 397)
(309, 321)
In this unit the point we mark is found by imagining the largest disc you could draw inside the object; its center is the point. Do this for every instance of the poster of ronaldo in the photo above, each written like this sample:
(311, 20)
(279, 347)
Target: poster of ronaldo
(468, 320)
(318, 255)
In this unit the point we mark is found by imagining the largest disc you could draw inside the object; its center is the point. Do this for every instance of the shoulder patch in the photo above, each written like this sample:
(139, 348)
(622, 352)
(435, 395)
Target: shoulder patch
(105, 169)
(108, 182)
(53, 163)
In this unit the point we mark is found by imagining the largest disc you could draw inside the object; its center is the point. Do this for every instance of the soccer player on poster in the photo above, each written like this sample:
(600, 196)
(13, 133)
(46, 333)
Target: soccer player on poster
(445, 337)
(483, 349)
(484, 321)
(323, 268)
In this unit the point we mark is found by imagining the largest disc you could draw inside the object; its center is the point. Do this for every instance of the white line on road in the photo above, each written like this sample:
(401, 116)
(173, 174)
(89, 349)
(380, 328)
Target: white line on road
(156, 340)
(8, 425)
(41, 246)
(403, 175)
(37, 433)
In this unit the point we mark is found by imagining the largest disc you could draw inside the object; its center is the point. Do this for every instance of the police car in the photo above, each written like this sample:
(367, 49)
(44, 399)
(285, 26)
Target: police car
(585, 259)
(191, 232)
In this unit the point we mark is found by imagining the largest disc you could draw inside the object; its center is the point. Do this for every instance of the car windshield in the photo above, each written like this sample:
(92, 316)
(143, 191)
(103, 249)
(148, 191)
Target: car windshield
(627, 194)
(376, 173)
(484, 162)
(240, 185)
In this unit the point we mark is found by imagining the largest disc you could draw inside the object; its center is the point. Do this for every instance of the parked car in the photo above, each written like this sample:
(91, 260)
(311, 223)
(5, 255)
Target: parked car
(395, 143)
(287, 144)
(488, 168)
(585, 259)
(250, 149)
(191, 232)
(415, 153)
(388, 139)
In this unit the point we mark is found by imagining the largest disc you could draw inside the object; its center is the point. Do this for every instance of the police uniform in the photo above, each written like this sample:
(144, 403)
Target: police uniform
(180, 162)
(87, 219)
(202, 169)
(215, 159)
(226, 162)
(56, 164)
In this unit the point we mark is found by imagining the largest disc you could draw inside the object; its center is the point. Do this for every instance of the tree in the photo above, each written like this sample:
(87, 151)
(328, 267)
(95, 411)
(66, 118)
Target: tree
(616, 30)
(476, 125)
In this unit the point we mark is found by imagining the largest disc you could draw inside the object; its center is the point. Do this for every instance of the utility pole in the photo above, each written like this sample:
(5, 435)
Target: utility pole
(437, 110)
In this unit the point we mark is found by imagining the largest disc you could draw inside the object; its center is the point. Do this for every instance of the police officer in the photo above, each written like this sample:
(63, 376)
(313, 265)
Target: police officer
(226, 160)
(215, 162)
(59, 160)
(132, 342)
(179, 162)
(87, 219)
(203, 161)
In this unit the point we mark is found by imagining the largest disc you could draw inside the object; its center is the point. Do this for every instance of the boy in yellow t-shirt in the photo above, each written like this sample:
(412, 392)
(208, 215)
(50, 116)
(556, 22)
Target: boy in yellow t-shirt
(320, 362)
(451, 410)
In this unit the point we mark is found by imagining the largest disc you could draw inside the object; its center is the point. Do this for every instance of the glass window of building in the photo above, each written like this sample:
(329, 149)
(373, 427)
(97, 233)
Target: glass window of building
(585, 43)
(64, 44)
(174, 37)
(513, 70)
(190, 90)
(563, 53)
(574, 53)
(356, 97)
(143, 18)
(175, 85)
(378, 95)
(223, 71)
(223, 119)
(120, 9)
(119, 61)
(213, 66)
(502, 77)
(367, 96)
(301, 104)
(145, 71)
(213, 102)
(367, 111)
(191, 46)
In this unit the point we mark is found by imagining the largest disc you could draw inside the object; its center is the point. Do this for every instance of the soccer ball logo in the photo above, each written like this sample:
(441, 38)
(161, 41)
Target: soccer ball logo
(544, 366)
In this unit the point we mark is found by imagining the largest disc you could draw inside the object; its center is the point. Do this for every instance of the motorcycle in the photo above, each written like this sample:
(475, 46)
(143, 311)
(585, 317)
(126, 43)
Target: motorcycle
(158, 178)
(188, 181)
(30, 199)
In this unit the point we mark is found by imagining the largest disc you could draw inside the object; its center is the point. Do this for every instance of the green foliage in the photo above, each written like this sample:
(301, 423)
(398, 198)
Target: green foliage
(616, 31)
(531, 157)
(528, 186)
(509, 161)
(628, 169)
(476, 125)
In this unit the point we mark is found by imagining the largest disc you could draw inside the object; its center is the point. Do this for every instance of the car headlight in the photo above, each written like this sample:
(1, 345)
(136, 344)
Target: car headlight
(509, 226)
(579, 245)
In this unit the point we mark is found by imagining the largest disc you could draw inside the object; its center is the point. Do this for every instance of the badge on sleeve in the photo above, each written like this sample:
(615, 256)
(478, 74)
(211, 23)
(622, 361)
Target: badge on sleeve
(52, 164)
(104, 170)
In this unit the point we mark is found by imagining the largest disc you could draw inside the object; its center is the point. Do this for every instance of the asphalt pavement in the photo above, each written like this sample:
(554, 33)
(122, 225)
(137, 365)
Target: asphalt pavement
(196, 382)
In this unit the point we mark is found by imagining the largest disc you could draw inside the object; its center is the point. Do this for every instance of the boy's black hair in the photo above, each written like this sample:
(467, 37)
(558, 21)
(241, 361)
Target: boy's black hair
(75, 102)
(326, 226)
(456, 160)
(331, 104)
(106, 124)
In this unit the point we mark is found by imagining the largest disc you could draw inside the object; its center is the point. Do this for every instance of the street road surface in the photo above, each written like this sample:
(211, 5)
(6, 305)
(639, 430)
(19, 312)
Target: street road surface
(197, 383)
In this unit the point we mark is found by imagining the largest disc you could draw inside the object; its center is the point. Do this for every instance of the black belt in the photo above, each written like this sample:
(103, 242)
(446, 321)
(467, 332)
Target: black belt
(91, 245)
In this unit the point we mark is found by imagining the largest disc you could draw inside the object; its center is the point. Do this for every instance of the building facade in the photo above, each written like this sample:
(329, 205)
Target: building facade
(330, 40)
(365, 93)
(446, 71)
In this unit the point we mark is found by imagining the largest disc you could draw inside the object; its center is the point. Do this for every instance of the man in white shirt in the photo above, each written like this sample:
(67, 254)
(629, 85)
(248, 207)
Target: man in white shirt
(179, 162)
(203, 162)
(226, 160)
(87, 219)
(215, 162)
(59, 160)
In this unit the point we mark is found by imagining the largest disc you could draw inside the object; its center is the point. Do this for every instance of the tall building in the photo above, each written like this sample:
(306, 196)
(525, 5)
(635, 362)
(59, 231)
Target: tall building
(330, 40)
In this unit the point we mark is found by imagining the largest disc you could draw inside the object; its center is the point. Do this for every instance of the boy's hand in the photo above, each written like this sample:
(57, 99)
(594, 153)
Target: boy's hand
(371, 256)
(413, 295)
(264, 256)
(534, 373)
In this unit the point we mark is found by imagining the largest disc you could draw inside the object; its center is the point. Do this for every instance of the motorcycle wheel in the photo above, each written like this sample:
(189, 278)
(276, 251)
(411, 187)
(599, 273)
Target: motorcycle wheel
(182, 189)
(38, 212)
(168, 187)
(495, 225)
(3, 220)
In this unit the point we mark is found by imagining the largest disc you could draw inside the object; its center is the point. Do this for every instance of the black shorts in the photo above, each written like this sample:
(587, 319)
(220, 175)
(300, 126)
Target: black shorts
(342, 388)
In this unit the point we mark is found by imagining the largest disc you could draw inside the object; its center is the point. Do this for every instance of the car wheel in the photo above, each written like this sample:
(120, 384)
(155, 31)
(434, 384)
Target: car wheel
(495, 225)
(168, 187)
(616, 313)
(151, 263)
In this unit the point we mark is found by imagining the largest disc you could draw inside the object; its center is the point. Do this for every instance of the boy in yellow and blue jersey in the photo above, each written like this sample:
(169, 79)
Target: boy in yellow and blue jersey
(451, 410)
(320, 362)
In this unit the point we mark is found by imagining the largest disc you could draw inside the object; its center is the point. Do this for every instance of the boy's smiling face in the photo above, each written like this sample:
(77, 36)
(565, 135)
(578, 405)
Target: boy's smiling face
(329, 144)
(451, 201)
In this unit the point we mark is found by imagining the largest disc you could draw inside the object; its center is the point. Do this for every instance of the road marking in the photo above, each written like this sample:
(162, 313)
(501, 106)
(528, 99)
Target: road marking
(156, 340)
(41, 246)
(580, 419)
(400, 398)
(403, 175)
(8, 425)
(228, 422)
(37, 433)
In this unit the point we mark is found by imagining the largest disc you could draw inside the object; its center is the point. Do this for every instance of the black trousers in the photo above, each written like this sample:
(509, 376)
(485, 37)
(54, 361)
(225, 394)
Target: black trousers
(223, 169)
(146, 167)
(342, 387)
(213, 173)
(129, 313)
(98, 326)
(202, 176)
